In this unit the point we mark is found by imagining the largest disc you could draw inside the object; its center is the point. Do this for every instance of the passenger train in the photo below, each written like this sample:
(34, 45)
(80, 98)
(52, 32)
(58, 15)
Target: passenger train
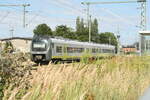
(45, 48)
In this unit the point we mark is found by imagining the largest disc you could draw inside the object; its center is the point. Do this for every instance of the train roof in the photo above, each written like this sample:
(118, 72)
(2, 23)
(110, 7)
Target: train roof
(61, 40)
(75, 42)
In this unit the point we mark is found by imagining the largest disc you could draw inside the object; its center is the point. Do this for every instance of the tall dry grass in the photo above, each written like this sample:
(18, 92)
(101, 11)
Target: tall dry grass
(119, 78)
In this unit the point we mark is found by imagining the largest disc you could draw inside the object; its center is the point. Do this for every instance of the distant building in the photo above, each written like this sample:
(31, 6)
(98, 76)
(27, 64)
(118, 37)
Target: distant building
(144, 42)
(128, 50)
(19, 43)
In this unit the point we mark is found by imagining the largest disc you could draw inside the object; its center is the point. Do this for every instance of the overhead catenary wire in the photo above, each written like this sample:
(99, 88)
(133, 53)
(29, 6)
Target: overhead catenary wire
(4, 17)
(18, 5)
(118, 16)
(63, 5)
(67, 7)
(68, 4)
(32, 19)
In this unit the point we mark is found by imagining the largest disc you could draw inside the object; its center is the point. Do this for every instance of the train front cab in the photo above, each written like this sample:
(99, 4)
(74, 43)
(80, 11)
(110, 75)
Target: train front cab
(41, 50)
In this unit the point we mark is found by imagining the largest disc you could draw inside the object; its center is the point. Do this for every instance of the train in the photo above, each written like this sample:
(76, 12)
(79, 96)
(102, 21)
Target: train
(46, 48)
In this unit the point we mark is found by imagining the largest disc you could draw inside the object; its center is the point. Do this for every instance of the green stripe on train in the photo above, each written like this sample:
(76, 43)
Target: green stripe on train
(65, 57)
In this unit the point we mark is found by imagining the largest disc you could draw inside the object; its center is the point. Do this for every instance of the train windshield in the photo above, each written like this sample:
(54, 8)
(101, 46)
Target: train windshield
(39, 45)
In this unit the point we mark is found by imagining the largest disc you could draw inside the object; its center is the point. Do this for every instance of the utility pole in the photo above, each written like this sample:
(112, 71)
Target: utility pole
(109, 40)
(118, 39)
(89, 21)
(143, 25)
(24, 10)
(12, 32)
(143, 16)
(118, 46)
(24, 14)
(88, 14)
(90, 29)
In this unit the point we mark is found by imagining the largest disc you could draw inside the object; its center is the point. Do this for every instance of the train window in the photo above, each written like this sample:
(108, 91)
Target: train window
(59, 49)
(103, 51)
(82, 50)
(87, 50)
(65, 49)
(97, 50)
(70, 49)
(75, 50)
(79, 50)
(100, 51)
(106, 51)
(93, 50)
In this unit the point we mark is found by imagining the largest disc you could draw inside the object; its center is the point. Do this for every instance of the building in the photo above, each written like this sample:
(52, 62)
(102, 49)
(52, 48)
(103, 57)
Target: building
(129, 49)
(144, 42)
(19, 43)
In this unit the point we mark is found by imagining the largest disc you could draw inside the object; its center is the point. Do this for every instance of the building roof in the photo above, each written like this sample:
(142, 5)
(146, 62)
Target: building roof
(128, 47)
(14, 38)
(144, 32)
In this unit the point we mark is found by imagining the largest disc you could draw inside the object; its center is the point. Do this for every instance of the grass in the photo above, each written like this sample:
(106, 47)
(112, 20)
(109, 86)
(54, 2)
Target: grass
(119, 78)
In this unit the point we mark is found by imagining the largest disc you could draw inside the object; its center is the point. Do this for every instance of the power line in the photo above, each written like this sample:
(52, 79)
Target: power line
(12, 32)
(5, 16)
(118, 16)
(68, 7)
(72, 6)
(34, 17)
(18, 5)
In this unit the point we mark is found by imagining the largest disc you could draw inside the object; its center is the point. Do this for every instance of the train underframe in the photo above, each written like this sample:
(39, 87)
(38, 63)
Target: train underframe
(41, 58)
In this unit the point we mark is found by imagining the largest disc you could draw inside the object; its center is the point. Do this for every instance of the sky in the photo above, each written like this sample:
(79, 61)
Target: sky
(116, 18)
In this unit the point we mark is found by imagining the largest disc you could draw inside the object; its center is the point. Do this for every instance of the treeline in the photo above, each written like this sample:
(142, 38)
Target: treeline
(81, 32)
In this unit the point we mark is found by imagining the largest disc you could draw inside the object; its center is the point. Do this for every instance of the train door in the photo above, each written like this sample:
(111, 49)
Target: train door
(51, 47)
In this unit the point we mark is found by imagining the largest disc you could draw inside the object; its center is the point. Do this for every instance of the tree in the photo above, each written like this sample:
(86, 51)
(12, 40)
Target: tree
(43, 29)
(65, 32)
(83, 36)
(82, 26)
(94, 30)
(95, 26)
(81, 30)
(78, 24)
(108, 38)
